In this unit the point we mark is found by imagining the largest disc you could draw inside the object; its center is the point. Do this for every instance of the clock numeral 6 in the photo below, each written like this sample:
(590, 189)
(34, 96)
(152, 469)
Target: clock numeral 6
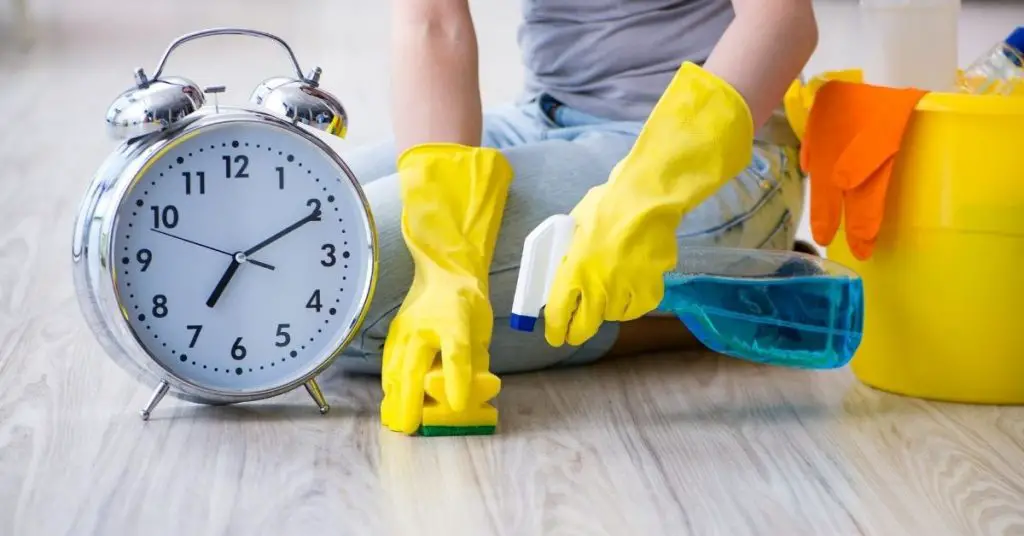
(282, 333)
(168, 217)
(238, 351)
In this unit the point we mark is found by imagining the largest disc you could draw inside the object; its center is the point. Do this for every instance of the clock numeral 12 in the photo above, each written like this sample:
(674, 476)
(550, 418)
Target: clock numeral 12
(243, 162)
(280, 177)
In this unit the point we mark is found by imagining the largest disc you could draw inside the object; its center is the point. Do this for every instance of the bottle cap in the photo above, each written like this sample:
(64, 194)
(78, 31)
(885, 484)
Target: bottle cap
(1016, 39)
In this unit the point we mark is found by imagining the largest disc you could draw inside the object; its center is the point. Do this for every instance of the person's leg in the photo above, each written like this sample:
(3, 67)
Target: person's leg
(758, 209)
(550, 177)
(505, 126)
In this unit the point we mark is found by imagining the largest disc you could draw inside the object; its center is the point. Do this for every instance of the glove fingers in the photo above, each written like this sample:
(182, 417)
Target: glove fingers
(587, 319)
(394, 347)
(456, 363)
(563, 300)
(419, 355)
(640, 301)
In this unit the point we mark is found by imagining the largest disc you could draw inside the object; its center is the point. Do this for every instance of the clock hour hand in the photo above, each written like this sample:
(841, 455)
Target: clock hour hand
(193, 242)
(223, 283)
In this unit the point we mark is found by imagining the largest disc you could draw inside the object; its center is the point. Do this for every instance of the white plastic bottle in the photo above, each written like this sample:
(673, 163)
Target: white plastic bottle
(910, 43)
(996, 72)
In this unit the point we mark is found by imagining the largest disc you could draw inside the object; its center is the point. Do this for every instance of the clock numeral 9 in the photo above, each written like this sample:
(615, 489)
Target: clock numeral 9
(144, 256)
(282, 333)
(314, 301)
(243, 162)
(168, 217)
(331, 259)
(238, 351)
(188, 182)
(159, 306)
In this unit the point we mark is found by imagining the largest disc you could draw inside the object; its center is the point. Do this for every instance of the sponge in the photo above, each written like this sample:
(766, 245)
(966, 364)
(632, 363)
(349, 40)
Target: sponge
(479, 417)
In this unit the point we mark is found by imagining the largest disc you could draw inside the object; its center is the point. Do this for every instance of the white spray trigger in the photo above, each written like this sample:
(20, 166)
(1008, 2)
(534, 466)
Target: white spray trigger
(543, 251)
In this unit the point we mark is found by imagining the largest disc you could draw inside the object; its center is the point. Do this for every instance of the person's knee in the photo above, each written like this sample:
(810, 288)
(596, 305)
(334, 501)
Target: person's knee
(371, 162)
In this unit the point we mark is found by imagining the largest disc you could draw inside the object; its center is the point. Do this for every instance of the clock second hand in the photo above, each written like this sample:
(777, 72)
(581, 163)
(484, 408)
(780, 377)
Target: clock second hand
(253, 261)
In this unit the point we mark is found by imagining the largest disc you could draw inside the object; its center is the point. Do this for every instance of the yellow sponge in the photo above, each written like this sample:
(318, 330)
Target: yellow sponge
(479, 417)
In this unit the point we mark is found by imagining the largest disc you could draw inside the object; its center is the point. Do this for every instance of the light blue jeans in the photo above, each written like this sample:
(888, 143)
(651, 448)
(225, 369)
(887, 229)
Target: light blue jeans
(557, 154)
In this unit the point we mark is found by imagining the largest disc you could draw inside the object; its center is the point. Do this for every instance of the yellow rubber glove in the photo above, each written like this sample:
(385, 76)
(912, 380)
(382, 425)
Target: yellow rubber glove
(699, 135)
(453, 197)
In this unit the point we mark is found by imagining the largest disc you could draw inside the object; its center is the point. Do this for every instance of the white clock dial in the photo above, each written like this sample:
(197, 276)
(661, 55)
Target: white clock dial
(242, 257)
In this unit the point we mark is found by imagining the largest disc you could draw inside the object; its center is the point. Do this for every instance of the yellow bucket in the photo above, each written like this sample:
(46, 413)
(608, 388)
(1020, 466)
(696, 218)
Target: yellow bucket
(944, 288)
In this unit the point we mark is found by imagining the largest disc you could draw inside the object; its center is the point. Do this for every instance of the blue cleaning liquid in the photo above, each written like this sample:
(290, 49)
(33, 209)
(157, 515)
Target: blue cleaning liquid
(793, 319)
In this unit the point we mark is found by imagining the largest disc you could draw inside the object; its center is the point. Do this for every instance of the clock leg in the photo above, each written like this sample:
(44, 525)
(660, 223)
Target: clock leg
(318, 396)
(155, 399)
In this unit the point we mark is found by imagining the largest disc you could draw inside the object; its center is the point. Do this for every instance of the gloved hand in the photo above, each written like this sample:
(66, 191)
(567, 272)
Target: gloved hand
(453, 197)
(699, 135)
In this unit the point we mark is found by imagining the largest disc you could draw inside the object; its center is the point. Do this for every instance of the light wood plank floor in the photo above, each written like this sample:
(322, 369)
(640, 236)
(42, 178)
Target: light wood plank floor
(682, 444)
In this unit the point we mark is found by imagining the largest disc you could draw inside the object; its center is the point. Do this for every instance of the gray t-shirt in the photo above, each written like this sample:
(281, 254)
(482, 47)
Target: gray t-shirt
(614, 58)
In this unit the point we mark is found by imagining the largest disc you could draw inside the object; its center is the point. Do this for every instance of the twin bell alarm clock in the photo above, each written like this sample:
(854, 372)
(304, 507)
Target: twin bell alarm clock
(224, 254)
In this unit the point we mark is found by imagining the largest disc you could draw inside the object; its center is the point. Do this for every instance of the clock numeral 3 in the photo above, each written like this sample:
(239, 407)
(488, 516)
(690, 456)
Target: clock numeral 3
(238, 351)
(200, 176)
(314, 301)
(243, 163)
(331, 259)
(168, 217)
(195, 336)
(282, 333)
(159, 306)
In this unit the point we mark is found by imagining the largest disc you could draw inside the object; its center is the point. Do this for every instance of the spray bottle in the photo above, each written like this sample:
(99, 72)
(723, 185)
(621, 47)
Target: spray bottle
(775, 307)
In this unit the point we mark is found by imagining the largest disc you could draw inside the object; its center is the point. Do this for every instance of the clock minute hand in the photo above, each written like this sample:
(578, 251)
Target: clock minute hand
(314, 216)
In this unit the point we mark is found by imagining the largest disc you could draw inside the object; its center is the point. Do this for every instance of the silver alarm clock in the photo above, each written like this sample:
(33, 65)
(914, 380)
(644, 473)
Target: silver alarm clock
(224, 254)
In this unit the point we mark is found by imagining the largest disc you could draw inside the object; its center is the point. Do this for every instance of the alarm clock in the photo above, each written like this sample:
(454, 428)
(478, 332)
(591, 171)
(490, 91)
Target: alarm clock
(224, 254)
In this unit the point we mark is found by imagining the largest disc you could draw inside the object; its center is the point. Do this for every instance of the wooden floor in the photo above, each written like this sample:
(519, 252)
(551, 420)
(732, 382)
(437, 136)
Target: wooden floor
(682, 444)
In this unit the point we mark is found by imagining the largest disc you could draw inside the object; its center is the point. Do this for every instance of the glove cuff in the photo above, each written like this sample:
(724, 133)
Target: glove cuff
(453, 199)
(699, 135)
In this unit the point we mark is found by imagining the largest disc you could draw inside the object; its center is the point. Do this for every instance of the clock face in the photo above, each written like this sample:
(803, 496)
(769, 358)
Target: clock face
(242, 257)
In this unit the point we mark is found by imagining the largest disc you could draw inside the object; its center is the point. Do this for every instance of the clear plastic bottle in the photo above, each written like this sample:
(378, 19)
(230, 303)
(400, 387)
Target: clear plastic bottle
(910, 43)
(998, 71)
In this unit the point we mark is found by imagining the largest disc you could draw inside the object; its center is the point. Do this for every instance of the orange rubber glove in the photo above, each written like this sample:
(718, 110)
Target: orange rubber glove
(854, 132)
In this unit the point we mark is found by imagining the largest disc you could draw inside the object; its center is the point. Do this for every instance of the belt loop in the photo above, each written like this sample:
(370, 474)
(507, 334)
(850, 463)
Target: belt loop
(550, 105)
